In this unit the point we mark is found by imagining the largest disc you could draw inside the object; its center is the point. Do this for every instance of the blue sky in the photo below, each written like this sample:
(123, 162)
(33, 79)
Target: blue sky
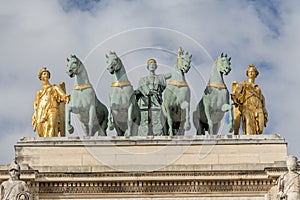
(37, 33)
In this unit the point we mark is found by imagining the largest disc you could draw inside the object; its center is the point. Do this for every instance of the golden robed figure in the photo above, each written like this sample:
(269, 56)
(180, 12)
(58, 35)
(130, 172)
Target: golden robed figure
(249, 105)
(49, 107)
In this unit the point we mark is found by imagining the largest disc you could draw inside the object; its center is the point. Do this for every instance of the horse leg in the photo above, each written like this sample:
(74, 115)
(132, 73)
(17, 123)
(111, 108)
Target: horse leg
(119, 131)
(181, 129)
(92, 118)
(110, 123)
(197, 119)
(101, 114)
(225, 108)
(102, 128)
(197, 122)
(167, 111)
(216, 128)
(70, 128)
(207, 111)
(201, 130)
(128, 132)
(85, 128)
(186, 106)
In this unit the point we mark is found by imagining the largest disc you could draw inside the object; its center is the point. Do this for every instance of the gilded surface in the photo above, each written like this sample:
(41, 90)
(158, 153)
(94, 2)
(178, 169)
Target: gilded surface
(82, 87)
(178, 83)
(249, 105)
(120, 83)
(217, 85)
(49, 118)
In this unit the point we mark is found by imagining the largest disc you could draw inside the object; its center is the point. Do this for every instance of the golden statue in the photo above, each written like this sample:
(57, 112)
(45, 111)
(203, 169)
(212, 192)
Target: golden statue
(249, 105)
(49, 107)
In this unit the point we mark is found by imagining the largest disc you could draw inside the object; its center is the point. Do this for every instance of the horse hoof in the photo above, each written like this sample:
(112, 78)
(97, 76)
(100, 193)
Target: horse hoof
(187, 126)
(230, 128)
(111, 126)
(71, 129)
(102, 133)
(127, 133)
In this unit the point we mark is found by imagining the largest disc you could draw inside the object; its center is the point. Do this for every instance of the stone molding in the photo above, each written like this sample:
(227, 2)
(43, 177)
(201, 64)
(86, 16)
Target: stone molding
(235, 167)
(182, 153)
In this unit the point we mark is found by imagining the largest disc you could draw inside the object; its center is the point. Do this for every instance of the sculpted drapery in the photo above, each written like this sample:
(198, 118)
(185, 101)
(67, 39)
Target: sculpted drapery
(48, 118)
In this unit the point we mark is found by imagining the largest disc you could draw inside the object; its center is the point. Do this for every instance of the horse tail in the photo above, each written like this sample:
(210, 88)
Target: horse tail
(102, 115)
(133, 101)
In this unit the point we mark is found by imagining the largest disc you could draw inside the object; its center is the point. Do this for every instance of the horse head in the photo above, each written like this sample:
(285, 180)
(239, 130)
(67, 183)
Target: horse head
(73, 66)
(113, 62)
(183, 60)
(223, 64)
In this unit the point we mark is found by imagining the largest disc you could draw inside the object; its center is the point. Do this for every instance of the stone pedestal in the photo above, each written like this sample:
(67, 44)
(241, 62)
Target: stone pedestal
(195, 167)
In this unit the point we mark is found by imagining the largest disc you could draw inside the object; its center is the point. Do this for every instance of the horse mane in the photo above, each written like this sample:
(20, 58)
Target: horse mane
(75, 57)
(221, 56)
(180, 53)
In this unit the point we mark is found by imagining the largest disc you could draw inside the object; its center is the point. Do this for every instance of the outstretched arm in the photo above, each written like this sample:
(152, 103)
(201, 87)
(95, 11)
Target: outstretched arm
(63, 96)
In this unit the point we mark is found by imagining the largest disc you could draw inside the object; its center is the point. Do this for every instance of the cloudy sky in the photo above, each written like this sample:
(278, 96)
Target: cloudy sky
(36, 33)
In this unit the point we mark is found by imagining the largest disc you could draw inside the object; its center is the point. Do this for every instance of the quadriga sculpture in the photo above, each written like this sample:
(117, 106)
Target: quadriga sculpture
(176, 101)
(124, 114)
(84, 102)
(215, 100)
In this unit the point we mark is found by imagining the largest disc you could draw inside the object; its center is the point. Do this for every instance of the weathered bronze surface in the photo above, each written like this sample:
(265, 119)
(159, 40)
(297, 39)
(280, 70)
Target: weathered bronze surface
(150, 90)
(215, 100)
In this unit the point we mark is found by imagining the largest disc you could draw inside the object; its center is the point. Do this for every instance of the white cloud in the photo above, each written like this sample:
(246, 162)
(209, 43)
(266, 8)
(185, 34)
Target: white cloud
(43, 33)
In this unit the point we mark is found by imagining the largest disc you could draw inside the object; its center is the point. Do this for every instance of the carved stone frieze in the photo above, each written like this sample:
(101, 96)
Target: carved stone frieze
(156, 187)
(216, 167)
